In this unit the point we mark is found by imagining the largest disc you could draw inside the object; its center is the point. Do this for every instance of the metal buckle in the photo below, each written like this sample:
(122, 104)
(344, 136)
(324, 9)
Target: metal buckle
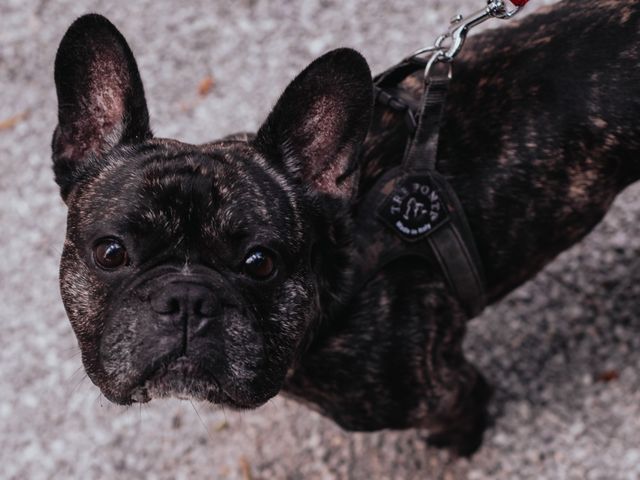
(460, 26)
(448, 45)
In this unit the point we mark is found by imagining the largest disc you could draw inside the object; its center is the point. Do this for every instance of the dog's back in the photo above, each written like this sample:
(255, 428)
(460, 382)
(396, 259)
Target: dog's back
(541, 130)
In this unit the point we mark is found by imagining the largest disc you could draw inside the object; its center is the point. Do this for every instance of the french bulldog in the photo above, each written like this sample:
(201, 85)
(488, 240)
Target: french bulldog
(224, 272)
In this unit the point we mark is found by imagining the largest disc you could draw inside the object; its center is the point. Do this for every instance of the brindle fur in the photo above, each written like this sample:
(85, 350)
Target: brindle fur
(539, 136)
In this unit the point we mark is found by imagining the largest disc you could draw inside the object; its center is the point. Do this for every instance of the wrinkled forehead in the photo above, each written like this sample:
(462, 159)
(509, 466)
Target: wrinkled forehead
(220, 189)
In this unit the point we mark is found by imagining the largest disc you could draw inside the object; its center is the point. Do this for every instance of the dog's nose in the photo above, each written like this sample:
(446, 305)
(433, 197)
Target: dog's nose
(185, 304)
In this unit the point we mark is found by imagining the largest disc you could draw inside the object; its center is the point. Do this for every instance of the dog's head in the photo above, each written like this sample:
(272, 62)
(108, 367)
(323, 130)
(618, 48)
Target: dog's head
(195, 270)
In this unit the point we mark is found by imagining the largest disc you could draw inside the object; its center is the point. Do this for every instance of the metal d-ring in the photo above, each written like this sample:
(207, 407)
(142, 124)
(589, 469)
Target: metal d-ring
(438, 56)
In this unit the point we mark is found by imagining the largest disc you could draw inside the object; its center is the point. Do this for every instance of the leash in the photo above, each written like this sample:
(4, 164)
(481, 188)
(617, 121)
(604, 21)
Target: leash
(417, 212)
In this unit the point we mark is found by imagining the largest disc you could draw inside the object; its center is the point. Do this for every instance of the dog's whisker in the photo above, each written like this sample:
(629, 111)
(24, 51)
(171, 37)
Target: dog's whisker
(75, 388)
(73, 354)
(201, 421)
(76, 372)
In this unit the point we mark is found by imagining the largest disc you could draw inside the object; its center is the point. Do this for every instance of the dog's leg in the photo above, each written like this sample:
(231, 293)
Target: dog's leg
(458, 414)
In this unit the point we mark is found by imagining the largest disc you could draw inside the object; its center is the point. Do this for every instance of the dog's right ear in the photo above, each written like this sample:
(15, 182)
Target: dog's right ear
(101, 100)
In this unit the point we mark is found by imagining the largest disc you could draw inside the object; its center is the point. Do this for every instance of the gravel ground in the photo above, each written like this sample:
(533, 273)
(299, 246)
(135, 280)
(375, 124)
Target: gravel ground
(563, 351)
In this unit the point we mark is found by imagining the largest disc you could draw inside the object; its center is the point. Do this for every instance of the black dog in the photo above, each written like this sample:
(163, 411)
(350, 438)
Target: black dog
(224, 272)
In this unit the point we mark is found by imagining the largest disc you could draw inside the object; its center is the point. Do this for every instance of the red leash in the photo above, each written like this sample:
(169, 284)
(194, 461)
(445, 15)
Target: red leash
(519, 3)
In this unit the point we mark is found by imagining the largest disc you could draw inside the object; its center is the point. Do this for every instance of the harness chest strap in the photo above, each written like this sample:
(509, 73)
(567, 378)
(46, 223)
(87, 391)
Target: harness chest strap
(417, 213)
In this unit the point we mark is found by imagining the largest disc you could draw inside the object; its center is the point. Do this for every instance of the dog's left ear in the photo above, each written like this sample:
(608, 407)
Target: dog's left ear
(319, 123)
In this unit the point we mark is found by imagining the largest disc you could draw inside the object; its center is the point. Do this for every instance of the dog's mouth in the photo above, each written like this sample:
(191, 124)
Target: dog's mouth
(185, 379)
(182, 378)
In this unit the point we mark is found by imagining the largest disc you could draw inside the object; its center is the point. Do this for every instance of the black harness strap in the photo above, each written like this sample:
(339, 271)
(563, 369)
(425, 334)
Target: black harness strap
(418, 213)
(423, 149)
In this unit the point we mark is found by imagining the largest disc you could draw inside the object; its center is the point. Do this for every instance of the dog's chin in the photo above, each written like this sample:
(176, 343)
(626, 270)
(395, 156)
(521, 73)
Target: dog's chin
(184, 379)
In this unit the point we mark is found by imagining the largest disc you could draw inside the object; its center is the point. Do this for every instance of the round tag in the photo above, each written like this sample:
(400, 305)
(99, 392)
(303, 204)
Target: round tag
(415, 208)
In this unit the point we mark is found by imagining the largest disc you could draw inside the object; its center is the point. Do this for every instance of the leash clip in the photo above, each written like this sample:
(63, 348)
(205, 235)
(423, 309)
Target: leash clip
(460, 27)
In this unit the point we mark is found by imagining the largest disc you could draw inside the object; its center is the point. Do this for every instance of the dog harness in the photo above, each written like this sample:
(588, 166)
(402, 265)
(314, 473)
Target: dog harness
(411, 210)
(416, 213)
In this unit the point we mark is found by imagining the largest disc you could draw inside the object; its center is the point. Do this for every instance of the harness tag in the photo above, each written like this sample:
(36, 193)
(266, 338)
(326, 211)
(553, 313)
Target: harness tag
(415, 208)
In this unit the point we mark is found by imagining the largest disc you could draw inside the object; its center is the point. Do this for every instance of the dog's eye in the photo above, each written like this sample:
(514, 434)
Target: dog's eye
(110, 254)
(259, 264)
